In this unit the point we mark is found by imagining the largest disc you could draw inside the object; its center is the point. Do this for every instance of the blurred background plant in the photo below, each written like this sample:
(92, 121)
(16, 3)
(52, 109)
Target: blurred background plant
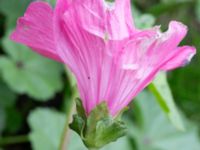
(36, 93)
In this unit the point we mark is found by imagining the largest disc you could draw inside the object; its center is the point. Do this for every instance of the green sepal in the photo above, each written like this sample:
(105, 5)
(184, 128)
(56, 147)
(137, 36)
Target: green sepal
(99, 128)
(119, 116)
(80, 109)
(78, 124)
(106, 131)
(97, 114)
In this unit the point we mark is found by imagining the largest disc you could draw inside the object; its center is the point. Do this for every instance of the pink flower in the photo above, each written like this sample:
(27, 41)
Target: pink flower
(111, 59)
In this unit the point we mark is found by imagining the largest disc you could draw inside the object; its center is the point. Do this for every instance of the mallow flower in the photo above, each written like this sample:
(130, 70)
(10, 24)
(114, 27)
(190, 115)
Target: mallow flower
(111, 59)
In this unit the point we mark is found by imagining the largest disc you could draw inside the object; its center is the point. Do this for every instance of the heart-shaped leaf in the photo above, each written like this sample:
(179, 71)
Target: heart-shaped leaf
(28, 73)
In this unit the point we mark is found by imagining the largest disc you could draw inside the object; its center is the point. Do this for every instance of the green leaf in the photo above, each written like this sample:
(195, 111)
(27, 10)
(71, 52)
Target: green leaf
(142, 21)
(172, 5)
(9, 118)
(145, 21)
(46, 128)
(52, 2)
(18, 8)
(26, 72)
(14, 120)
(198, 10)
(7, 97)
(156, 132)
(2, 119)
(162, 92)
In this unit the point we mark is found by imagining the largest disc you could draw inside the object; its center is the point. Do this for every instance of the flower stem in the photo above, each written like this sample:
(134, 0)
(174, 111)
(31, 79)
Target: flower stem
(65, 136)
(69, 108)
(14, 140)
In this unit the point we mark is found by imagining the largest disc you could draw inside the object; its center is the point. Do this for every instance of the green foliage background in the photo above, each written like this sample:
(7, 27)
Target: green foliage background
(36, 93)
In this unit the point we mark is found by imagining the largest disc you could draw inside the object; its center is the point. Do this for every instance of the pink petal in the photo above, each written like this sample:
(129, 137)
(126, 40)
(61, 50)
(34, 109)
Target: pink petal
(120, 20)
(35, 30)
(59, 35)
(94, 16)
(68, 45)
(183, 56)
(145, 55)
(111, 59)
